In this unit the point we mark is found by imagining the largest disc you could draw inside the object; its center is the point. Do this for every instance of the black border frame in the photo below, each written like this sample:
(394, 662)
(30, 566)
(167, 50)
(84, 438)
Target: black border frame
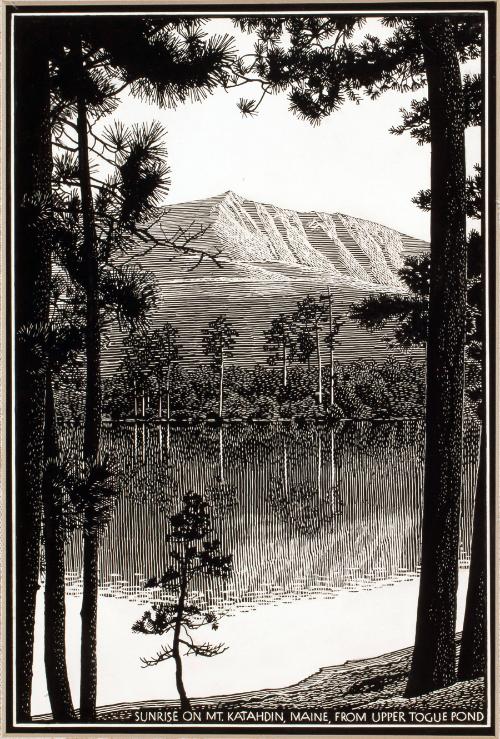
(488, 6)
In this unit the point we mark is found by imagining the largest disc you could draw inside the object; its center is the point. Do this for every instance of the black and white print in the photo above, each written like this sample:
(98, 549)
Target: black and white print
(250, 374)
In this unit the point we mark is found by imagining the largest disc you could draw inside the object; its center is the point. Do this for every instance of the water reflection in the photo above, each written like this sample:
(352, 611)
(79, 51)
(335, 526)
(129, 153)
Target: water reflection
(305, 511)
(220, 493)
(308, 504)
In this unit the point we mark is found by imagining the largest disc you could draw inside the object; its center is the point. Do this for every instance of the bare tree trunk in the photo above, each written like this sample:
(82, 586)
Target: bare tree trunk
(93, 407)
(55, 605)
(433, 664)
(33, 211)
(168, 394)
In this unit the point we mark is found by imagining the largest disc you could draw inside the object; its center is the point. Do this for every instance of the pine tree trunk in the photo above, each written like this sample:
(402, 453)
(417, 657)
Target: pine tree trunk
(92, 426)
(55, 604)
(473, 652)
(472, 661)
(168, 394)
(160, 429)
(88, 675)
(135, 420)
(433, 664)
(331, 347)
(284, 364)
(221, 385)
(185, 704)
(318, 354)
(332, 390)
(143, 425)
(32, 187)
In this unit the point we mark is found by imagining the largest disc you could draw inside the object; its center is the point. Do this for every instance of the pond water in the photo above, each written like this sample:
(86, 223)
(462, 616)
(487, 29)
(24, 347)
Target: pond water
(324, 528)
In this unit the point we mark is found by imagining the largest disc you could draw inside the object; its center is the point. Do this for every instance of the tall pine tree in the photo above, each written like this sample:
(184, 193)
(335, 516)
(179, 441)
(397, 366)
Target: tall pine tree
(316, 61)
(32, 182)
(167, 59)
(167, 62)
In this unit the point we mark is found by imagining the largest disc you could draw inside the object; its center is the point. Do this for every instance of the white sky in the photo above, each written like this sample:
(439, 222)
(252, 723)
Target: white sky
(349, 163)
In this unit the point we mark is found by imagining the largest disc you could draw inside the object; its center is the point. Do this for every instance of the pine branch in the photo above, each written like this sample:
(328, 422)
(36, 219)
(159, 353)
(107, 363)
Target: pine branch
(180, 242)
(203, 650)
(72, 149)
(162, 656)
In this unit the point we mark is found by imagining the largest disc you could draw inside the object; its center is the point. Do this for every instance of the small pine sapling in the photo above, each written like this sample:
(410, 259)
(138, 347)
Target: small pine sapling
(194, 556)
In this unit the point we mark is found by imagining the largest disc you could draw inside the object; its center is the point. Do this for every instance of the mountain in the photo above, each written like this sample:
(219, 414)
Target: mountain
(255, 242)
(268, 258)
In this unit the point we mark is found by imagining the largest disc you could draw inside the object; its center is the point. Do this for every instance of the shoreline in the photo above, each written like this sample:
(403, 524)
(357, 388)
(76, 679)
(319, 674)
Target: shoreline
(356, 690)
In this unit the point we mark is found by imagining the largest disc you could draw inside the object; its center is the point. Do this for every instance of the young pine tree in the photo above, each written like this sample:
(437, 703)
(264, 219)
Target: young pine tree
(195, 558)
(309, 318)
(165, 353)
(279, 340)
(218, 340)
(331, 338)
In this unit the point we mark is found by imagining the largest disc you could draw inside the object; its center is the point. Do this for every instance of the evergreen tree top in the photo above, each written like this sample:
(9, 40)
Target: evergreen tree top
(323, 61)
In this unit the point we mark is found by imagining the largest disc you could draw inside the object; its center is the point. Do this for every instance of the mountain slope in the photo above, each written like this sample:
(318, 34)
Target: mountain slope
(269, 258)
(255, 242)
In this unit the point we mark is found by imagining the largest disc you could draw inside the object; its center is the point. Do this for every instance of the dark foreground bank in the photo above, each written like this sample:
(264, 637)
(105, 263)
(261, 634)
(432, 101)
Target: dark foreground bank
(364, 692)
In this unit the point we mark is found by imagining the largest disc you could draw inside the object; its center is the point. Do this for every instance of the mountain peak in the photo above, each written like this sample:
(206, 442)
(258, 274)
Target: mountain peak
(265, 242)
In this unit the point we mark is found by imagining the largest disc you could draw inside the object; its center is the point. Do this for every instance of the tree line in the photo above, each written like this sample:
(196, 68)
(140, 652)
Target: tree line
(152, 384)
(294, 338)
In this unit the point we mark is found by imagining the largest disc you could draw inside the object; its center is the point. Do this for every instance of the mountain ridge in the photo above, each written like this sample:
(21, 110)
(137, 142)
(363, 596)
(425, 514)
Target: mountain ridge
(318, 251)
(260, 242)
